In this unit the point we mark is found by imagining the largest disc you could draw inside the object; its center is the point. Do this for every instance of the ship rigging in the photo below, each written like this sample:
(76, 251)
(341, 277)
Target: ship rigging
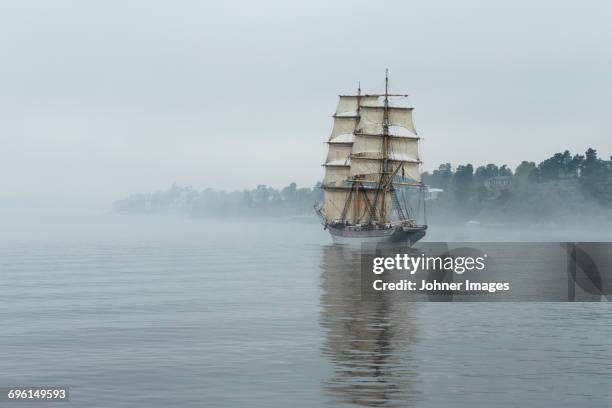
(372, 160)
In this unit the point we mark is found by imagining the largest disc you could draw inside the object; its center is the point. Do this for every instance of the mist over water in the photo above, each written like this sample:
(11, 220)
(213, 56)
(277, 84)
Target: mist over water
(168, 310)
(222, 291)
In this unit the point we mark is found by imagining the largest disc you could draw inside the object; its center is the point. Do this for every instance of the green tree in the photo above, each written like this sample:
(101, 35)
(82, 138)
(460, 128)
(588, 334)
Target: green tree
(523, 174)
(441, 177)
(594, 176)
(462, 183)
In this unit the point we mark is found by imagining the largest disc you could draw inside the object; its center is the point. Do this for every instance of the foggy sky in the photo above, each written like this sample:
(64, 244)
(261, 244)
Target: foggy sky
(99, 99)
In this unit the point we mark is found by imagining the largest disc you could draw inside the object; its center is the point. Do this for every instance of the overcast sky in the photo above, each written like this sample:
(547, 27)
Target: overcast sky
(102, 98)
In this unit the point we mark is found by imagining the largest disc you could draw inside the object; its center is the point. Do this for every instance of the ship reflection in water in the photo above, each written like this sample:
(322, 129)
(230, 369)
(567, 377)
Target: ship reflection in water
(367, 342)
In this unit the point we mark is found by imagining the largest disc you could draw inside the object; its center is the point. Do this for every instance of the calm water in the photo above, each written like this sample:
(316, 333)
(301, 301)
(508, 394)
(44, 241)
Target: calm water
(166, 311)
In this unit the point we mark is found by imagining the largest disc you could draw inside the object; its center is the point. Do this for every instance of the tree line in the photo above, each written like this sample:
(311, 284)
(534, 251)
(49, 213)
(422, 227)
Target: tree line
(562, 188)
(263, 200)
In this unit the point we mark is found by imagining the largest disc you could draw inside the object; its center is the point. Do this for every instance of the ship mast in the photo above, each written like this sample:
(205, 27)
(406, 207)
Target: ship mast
(384, 180)
(355, 186)
(355, 183)
(385, 150)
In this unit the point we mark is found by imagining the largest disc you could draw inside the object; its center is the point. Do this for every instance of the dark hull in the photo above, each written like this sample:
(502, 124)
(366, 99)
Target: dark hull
(396, 234)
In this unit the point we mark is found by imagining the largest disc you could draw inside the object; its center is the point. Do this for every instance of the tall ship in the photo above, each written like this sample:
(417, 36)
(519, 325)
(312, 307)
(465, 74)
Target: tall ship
(372, 166)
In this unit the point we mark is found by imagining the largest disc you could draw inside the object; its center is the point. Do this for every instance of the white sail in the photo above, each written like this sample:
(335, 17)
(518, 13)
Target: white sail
(372, 119)
(334, 203)
(367, 144)
(336, 175)
(342, 126)
(358, 210)
(406, 148)
(338, 154)
(343, 138)
(349, 104)
(361, 210)
(369, 169)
